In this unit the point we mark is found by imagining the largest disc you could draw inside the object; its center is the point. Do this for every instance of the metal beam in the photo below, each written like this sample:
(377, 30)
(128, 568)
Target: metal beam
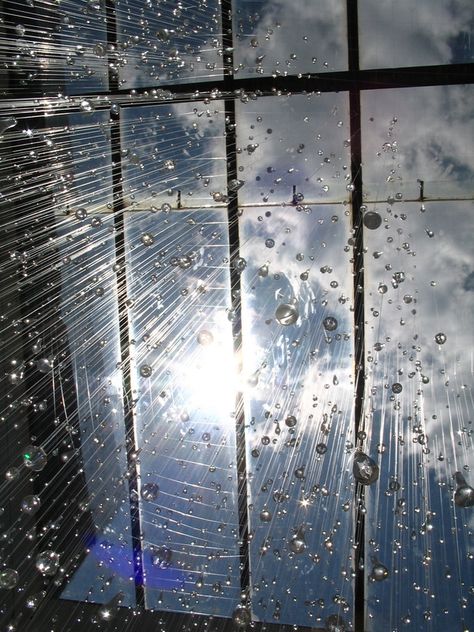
(234, 253)
(124, 330)
(359, 318)
(353, 78)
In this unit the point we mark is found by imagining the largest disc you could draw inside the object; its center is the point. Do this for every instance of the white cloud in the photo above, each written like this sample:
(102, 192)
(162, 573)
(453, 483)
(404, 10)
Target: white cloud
(395, 34)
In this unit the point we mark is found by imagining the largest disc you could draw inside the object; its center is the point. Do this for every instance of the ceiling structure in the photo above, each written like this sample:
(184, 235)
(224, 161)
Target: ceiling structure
(235, 387)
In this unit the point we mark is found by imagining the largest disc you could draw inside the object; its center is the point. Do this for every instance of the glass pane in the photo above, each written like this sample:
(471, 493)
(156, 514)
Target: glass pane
(297, 141)
(83, 189)
(415, 33)
(174, 154)
(83, 46)
(419, 410)
(418, 134)
(83, 170)
(183, 371)
(54, 48)
(89, 299)
(280, 38)
(169, 42)
(71, 527)
(298, 366)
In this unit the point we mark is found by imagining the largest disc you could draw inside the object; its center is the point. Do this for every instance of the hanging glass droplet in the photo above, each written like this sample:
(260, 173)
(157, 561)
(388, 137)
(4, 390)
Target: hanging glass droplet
(199, 581)
(297, 543)
(379, 571)
(145, 370)
(330, 323)
(81, 214)
(440, 338)
(149, 492)
(30, 504)
(287, 314)
(464, 494)
(8, 578)
(291, 421)
(205, 338)
(240, 264)
(47, 562)
(147, 239)
(161, 557)
(365, 469)
(241, 616)
(33, 601)
(265, 516)
(34, 458)
(372, 220)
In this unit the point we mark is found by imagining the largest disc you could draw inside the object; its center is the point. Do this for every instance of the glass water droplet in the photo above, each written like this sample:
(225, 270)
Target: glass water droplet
(379, 572)
(372, 220)
(464, 494)
(44, 365)
(330, 323)
(440, 338)
(365, 469)
(241, 616)
(8, 578)
(240, 264)
(34, 458)
(205, 338)
(297, 543)
(287, 314)
(265, 515)
(47, 563)
(149, 492)
(80, 214)
(162, 557)
(30, 504)
(145, 370)
(147, 239)
(33, 601)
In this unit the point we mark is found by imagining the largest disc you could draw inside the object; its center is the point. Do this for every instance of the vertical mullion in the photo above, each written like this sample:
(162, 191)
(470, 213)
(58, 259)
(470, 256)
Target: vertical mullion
(235, 282)
(359, 316)
(124, 329)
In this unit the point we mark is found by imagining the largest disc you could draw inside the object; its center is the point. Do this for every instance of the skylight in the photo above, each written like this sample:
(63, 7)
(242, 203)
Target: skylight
(237, 315)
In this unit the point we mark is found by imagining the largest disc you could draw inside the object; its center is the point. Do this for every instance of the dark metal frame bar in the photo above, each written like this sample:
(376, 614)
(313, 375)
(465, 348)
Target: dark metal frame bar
(353, 78)
(359, 318)
(124, 329)
(234, 251)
